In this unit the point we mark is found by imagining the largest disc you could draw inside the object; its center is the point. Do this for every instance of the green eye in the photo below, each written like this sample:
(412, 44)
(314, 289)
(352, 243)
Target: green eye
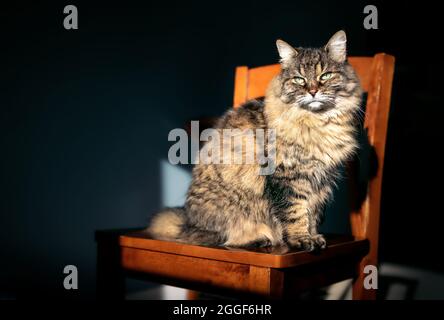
(326, 76)
(298, 80)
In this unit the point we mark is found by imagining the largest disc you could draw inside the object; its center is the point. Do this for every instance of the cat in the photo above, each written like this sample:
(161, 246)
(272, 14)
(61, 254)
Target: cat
(313, 106)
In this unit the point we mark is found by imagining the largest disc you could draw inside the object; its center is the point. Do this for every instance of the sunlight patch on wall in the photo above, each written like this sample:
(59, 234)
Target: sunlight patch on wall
(175, 181)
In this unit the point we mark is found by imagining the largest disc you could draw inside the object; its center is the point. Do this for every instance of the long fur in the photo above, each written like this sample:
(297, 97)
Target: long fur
(232, 205)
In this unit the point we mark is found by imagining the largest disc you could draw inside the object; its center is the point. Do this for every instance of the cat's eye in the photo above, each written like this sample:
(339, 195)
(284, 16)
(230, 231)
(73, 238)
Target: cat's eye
(326, 76)
(299, 80)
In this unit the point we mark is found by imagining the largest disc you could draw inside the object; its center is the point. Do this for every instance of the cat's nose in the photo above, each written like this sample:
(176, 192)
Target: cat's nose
(313, 91)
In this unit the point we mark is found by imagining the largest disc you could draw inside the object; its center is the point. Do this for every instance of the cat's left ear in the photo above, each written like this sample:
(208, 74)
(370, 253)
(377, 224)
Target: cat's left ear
(337, 47)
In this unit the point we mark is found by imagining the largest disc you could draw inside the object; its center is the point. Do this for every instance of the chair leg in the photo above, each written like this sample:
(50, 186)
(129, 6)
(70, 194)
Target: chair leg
(192, 295)
(359, 292)
(110, 275)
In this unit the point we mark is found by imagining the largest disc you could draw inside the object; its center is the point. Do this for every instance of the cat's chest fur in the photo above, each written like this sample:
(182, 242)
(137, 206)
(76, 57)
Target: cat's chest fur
(307, 143)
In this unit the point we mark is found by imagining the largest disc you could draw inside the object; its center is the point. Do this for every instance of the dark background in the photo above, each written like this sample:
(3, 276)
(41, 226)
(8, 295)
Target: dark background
(85, 116)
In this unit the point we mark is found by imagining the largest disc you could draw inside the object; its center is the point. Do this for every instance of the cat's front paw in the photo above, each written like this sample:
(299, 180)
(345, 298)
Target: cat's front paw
(308, 242)
(320, 241)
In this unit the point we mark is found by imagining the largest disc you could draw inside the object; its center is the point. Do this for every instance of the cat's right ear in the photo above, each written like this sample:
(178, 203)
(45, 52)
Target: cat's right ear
(286, 51)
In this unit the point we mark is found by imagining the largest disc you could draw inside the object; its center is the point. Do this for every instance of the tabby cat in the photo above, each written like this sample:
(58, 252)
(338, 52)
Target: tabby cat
(312, 105)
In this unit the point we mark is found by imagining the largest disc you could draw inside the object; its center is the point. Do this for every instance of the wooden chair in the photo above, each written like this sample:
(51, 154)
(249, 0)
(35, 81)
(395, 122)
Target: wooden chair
(273, 274)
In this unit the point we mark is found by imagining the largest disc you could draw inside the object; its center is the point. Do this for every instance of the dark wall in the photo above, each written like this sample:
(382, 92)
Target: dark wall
(85, 116)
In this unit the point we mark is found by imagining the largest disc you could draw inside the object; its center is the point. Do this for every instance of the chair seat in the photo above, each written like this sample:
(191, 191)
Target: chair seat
(272, 272)
(276, 257)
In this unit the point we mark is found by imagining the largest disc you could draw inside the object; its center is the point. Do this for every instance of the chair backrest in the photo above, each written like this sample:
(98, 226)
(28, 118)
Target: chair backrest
(376, 75)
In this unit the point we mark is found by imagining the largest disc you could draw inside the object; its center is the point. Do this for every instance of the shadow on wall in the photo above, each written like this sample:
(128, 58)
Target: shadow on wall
(93, 169)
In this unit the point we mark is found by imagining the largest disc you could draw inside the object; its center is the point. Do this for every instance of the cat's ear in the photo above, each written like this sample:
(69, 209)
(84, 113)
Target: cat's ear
(286, 52)
(337, 47)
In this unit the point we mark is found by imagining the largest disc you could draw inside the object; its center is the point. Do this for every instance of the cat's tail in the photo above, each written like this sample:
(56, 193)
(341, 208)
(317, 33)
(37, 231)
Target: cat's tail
(167, 224)
(171, 225)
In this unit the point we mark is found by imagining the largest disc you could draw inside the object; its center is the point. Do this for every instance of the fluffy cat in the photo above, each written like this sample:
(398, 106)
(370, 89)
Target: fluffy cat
(312, 105)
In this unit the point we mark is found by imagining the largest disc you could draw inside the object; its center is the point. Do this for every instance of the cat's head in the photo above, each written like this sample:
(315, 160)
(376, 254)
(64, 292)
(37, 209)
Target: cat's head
(318, 80)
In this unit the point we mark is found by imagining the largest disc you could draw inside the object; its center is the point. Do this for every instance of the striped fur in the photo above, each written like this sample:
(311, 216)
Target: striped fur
(233, 205)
